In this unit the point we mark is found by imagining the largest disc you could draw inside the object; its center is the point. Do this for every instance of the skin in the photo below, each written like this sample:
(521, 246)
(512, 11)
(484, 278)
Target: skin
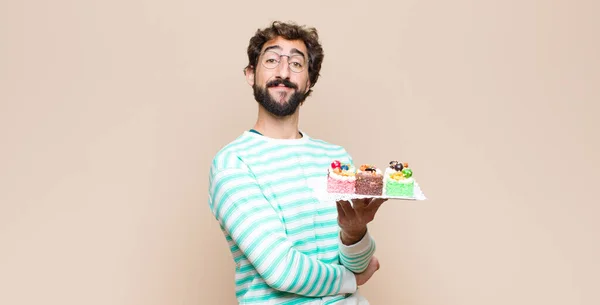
(352, 218)
(267, 123)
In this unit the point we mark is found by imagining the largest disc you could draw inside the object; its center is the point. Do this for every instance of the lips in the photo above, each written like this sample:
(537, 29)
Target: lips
(281, 83)
(279, 86)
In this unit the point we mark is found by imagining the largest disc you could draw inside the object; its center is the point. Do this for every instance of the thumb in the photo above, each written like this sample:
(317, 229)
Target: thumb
(375, 263)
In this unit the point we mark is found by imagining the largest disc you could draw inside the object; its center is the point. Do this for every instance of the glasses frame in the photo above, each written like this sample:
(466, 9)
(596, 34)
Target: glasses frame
(289, 56)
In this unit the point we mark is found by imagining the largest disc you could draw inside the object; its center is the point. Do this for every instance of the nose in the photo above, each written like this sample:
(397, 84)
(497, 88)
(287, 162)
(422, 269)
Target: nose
(284, 68)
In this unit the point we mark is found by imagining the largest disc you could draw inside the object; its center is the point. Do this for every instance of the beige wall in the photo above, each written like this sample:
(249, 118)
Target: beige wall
(110, 112)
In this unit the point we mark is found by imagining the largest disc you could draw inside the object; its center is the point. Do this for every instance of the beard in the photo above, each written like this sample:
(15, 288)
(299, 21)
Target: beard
(279, 109)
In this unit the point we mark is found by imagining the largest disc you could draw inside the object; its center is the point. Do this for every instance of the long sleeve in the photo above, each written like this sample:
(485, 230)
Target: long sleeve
(356, 257)
(251, 221)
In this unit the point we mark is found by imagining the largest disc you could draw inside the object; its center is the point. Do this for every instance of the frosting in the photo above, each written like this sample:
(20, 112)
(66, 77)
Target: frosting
(399, 172)
(342, 171)
(369, 169)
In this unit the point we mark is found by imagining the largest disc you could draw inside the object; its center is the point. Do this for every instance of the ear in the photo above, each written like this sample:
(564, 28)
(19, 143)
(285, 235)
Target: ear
(307, 86)
(250, 75)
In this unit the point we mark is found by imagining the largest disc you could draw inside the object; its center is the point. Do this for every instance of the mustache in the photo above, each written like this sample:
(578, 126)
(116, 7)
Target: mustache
(285, 82)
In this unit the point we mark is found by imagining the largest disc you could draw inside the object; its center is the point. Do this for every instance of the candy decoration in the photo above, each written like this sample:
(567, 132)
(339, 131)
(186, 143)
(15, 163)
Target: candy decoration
(345, 167)
(335, 164)
(407, 172)
(397, 176)
(398, 167)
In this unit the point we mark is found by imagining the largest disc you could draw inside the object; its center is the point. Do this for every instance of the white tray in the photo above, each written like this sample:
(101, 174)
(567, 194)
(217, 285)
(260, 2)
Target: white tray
(418, 195)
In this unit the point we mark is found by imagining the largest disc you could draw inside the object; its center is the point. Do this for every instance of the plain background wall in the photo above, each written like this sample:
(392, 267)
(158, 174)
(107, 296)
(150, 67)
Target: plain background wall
(110, 113)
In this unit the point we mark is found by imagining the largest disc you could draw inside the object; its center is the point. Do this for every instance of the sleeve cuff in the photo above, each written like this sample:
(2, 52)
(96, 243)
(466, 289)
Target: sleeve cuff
(348, 282)
(361, 246)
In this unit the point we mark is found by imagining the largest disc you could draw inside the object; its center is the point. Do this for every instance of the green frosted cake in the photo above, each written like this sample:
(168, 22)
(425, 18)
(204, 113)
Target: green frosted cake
(398, 180)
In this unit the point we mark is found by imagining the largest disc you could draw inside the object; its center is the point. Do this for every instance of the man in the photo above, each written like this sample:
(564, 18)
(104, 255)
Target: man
(289, 247)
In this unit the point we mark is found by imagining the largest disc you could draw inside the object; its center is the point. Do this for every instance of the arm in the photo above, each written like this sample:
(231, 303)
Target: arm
(356, 255)
(356, 246)
(240, 207)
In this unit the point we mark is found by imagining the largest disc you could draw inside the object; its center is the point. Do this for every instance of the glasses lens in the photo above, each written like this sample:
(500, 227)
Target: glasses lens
(296, 63)
(270, 60)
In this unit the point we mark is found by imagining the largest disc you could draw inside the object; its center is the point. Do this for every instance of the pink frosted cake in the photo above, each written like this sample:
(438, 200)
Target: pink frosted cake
(341, 178)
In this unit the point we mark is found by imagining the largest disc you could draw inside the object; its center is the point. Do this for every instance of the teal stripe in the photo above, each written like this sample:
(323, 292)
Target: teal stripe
(336, 275)
(300, 216)
(325, 281)
(297, 203)
(251, 157)
(334, 300)
(230, 179)
(360, 256)
(296, 280)
(245, 280)
(273, 267)
(238, 258)
(333, 247)
(357, 265)
(260, 243)
(269, 160)
(240, 292)
(235, 223)
(308, 274)
(328, 223)
(244, 234)
(309, 213)
(314, 284)
(297, 301)
(268, 251)
(294, 151)
(228, 194)
(332, 235)
(240, 144)
(301, 229)
(283, 181)
(330, 261)
(263, 298)
(245, 268)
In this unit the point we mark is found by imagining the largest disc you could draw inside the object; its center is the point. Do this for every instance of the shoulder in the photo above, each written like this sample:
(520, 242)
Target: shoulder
(330, 149)
(229, 156)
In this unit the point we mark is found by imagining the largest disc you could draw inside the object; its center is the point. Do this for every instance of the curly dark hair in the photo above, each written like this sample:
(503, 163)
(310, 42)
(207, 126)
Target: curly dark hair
(289, 31)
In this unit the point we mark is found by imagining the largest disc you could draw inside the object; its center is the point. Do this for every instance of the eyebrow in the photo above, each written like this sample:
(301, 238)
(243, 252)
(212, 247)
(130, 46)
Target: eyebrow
(293, 51)
(296, 51)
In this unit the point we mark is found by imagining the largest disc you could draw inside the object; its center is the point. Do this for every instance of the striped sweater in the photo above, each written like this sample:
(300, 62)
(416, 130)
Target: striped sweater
(284, 241)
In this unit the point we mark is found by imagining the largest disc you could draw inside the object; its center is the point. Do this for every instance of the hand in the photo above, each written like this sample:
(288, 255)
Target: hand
(363, 277)
(353, 218)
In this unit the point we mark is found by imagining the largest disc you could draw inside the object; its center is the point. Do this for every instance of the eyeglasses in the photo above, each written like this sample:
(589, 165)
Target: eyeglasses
(271, 60)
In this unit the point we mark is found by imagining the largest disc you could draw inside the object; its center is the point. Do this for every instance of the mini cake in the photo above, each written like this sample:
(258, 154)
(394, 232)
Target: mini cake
(341, 178)
(369, 180)
(398, 180)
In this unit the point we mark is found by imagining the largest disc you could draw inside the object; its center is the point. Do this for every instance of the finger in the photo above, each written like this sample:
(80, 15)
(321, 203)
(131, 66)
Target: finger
(375, 204)
(360, 203)
(347, 207)
(340, 210)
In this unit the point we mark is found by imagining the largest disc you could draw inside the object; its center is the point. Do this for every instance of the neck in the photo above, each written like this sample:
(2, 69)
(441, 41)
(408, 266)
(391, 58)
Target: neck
(277, 127)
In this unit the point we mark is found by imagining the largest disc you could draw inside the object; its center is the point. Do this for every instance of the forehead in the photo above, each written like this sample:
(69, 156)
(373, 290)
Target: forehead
(285, 46)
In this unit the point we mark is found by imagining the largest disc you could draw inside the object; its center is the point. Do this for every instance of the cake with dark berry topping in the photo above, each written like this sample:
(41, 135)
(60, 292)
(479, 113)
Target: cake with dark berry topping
(398, 180)
(369, 180)
(341, 178)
